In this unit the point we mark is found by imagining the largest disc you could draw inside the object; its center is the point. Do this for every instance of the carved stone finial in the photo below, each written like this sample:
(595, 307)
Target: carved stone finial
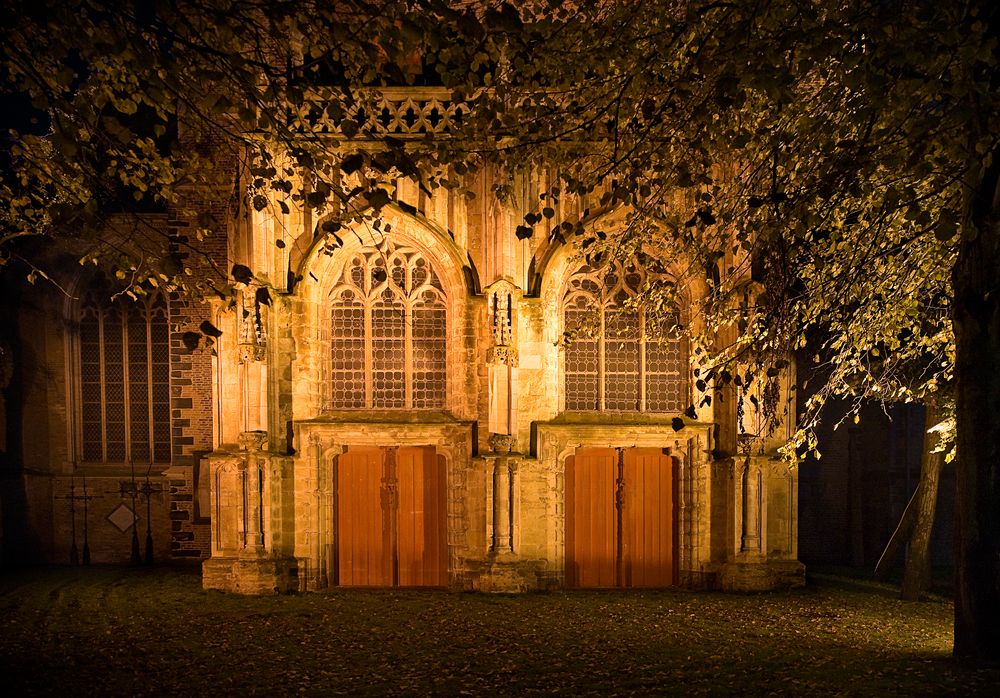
(252, 326)
(502, 355)
(251, 352)
(502, 443)
(253, 440)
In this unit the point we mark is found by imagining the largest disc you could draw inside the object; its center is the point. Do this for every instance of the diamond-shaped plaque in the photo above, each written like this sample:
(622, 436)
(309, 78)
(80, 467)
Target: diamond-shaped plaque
(122, 518)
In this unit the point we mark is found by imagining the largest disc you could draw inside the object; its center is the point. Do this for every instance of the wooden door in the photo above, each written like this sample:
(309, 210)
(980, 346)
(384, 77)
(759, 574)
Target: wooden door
(591, 518)
(422, 547)
(363, 550)
(391, 524)
(647, 518)
(620, 527)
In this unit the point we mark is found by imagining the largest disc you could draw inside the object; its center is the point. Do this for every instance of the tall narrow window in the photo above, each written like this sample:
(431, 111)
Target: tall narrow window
(125, 381)
(388, 332)
(617, 358)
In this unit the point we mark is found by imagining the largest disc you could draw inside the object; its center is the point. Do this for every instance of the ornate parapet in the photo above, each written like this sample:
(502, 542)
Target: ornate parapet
(398, 112)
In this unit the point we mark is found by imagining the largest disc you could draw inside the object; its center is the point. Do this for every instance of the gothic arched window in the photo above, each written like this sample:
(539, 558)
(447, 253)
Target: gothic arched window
(388, 332)
(125, 380)
(617, 358)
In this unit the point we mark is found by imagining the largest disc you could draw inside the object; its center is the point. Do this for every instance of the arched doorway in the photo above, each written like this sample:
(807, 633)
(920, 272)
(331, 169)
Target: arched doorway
(621, 518)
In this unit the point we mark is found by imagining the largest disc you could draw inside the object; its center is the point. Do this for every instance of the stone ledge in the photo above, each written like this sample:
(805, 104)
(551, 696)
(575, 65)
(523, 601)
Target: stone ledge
(252, 576)
(761, 576)
(508, 577)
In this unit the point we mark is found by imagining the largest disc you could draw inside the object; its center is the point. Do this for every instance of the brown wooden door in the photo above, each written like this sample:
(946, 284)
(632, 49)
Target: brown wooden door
(422, 548)
(363, 551)
(647, 518)
(620, 525)
(390, 517)
(591, 518)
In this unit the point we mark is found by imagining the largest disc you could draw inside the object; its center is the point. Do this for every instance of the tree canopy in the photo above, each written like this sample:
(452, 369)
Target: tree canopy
(827, 169)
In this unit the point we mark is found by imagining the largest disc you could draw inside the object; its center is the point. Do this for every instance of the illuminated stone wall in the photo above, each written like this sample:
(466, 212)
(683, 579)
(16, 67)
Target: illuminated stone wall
(503, 435)
(257, 438)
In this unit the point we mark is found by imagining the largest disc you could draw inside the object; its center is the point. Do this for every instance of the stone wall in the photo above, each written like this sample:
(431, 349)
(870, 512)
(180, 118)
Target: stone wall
(503, 434)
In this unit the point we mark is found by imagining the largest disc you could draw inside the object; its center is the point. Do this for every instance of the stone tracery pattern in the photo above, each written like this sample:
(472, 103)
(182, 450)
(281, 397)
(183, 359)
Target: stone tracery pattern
(390, 112)
(388, 332)
(617, 359)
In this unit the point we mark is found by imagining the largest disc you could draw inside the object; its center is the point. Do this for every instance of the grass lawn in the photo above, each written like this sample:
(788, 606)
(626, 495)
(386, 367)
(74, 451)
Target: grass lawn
(112, 631)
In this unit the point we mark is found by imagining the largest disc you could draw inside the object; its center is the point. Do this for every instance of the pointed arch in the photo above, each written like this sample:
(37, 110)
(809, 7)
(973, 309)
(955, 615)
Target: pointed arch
(397, 223)
(388, 331)
(373, 318)
(619, 357)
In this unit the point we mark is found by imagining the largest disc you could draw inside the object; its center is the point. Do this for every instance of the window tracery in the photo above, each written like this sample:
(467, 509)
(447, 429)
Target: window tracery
(388, 332)
(124, 386)
(618, 359)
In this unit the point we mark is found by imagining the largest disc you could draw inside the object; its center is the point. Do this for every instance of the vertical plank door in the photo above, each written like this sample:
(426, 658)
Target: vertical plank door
(422, 549)
(647, 518)
(591, 518)
(364, 559)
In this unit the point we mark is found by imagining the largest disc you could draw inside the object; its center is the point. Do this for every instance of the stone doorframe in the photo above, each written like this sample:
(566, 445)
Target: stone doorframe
(322, 440)
(691, 447)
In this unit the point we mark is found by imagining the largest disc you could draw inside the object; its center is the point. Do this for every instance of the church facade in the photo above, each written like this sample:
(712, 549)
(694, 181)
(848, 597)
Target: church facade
(430, 402)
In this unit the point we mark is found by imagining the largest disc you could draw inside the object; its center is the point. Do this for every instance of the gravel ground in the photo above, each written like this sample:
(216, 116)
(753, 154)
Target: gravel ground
(114, 631)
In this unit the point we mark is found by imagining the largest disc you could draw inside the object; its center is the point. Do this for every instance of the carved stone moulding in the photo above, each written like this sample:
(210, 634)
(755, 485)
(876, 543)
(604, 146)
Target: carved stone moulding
(503, 355)
(502, 443)
(248, 353)
(252, 440)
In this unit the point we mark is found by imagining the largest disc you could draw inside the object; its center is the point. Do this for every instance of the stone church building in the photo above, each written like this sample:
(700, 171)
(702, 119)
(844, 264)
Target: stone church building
(402, 409)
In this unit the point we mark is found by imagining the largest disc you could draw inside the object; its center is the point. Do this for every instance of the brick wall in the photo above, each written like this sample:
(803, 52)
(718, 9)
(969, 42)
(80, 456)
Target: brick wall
(191, 372)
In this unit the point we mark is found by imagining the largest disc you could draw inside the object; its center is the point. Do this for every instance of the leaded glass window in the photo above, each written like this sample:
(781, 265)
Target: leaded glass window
(388, 332)
(124, 381)
(617, 358)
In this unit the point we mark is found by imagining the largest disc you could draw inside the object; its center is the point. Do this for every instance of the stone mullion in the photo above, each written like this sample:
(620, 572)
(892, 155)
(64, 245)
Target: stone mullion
(642, 362)
(407, 354)
(149, 382)
(601, 374)
(126, 388)
(369, 358)
(104, 385)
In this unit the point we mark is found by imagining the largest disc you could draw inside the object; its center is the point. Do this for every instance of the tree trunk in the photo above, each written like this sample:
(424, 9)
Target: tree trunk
(917, 574)
(898, 539)
(976, 319)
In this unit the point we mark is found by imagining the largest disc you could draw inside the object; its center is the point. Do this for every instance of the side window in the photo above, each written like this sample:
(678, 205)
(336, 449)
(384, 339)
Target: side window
(124, 384)
(618, 359)
(388, 332)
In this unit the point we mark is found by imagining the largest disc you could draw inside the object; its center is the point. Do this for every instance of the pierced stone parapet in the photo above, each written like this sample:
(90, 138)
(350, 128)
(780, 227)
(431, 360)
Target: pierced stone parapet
(397, 112)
